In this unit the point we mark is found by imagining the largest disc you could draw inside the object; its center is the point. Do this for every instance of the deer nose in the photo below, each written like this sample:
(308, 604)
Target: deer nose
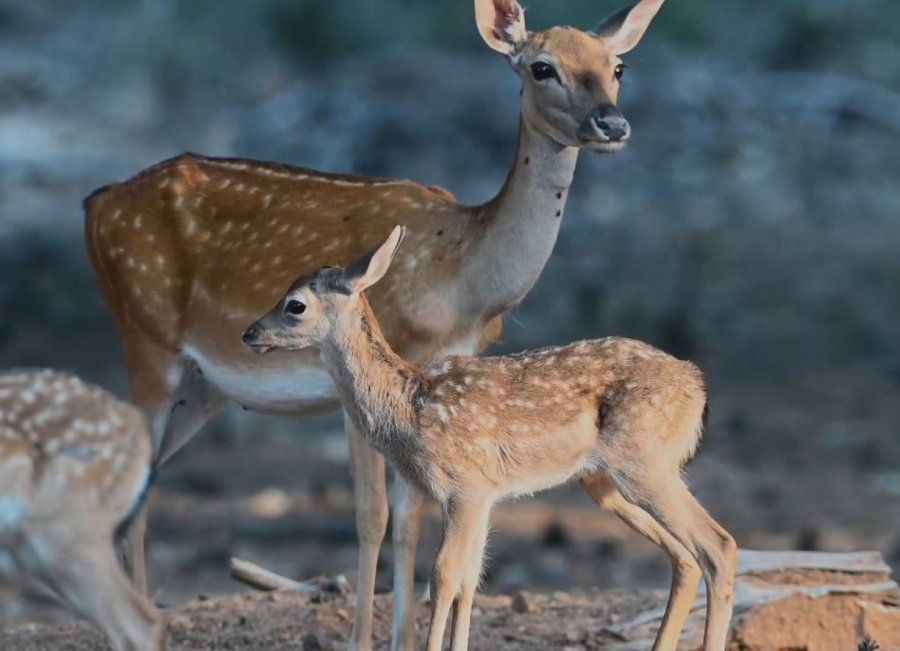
(614, 127)
(251, 333)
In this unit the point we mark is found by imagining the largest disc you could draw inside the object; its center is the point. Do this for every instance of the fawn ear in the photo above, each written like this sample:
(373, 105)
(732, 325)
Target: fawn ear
(501, 24)
(622, 31)
(367, 270)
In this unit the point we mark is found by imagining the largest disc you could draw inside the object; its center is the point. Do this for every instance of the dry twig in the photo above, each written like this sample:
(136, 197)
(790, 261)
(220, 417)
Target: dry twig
(262, 579)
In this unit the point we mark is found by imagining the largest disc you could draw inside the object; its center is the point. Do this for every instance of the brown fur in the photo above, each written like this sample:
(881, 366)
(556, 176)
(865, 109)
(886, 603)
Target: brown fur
(74, 463)
(616, 414)
(188, 252)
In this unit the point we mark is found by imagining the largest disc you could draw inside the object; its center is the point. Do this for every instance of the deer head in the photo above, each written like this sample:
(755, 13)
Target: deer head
(570, 78)
(318, 304)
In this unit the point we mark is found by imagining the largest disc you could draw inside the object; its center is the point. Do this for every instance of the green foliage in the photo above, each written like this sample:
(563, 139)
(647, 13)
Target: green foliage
(325, 30)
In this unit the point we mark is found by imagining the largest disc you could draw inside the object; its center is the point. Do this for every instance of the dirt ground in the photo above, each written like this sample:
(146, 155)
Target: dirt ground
(280, 621)
(291, 511)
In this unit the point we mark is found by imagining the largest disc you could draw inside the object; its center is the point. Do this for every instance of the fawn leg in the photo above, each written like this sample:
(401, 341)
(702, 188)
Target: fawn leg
(371, 523)
(81, 567)
(671, 504)
(685, 571)
(462, 521)
(462, 607)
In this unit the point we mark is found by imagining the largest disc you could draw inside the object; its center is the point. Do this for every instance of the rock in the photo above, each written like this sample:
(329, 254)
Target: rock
(556, 535)
(311, 643)
(574, 636)
(270, 503)
(815, 601)
(524, 603)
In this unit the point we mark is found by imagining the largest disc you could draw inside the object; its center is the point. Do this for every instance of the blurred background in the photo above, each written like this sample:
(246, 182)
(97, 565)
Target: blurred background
(753, 226)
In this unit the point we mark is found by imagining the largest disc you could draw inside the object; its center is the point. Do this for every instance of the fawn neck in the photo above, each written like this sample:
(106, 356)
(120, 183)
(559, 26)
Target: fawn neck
(377, 387)
(516, 231)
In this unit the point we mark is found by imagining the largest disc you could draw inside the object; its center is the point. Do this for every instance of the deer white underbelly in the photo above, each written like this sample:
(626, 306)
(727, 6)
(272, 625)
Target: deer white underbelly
(275, 383)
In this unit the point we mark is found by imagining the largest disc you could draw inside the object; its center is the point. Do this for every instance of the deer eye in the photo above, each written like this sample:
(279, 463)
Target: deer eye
(541, 71)
(295, 307)
(620, 70)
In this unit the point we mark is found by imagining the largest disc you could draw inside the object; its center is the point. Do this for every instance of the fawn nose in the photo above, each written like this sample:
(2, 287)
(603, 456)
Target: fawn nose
(251, 333)
(610, 124)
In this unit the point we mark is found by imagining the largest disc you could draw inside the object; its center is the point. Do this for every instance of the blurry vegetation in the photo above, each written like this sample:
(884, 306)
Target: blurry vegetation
(751, 225)
(794, 34)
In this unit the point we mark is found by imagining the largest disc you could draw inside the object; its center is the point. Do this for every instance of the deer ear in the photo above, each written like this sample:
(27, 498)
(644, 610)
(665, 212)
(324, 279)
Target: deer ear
(367, 270)
(501, 24)
(622, 31)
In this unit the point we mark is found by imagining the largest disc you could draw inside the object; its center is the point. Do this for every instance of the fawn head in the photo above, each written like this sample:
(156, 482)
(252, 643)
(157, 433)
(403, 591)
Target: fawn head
(319, 304)
(570, 78)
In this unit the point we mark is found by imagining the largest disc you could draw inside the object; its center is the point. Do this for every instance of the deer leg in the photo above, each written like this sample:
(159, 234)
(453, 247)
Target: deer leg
(153, 374)
(407, 514)
(132, 551)
(686, 573)
(671, 504)
(81, 568)
(462, 522)
(462, 607)
(194, 402)
(370, 494)
(174, 419)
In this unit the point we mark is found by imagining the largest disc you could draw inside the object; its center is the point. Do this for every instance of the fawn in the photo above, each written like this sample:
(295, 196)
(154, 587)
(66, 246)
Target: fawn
(75, 466)
(617, 415)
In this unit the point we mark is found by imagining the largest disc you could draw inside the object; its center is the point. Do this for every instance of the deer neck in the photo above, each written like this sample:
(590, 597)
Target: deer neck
(377, 387)
(514, 233)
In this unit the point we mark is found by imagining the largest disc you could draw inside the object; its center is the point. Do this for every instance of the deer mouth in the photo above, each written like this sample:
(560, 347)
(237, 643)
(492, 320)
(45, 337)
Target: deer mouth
(259, 349)
(605, 146)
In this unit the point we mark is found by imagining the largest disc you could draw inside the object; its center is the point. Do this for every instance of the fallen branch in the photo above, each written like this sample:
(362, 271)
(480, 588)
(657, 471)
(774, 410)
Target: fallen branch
(260, 578)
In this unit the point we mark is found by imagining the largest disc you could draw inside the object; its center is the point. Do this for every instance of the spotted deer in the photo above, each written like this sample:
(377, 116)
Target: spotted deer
(75, 464)
(190, 251)
(616, 415)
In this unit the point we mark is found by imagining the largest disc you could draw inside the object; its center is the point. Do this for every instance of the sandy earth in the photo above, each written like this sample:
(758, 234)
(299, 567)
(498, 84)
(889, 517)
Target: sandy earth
(292, 512)
(277, 621)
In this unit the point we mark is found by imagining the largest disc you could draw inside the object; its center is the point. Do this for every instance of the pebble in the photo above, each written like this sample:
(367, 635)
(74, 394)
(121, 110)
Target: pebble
(573, 636)
(524, 603)
(270, 503)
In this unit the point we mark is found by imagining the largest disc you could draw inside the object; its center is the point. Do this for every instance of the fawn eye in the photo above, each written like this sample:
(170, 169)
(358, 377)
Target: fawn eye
(295, 307)
(620, 70)
(541, 71)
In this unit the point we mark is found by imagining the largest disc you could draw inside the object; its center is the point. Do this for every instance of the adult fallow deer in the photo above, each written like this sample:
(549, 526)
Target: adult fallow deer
(189, 251)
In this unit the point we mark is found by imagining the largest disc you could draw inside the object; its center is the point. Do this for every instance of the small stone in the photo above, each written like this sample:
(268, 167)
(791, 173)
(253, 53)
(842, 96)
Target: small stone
(524, 603)
(311, 643)
(270, 503)
(572, 637)
(179, 622)
(556, 535)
